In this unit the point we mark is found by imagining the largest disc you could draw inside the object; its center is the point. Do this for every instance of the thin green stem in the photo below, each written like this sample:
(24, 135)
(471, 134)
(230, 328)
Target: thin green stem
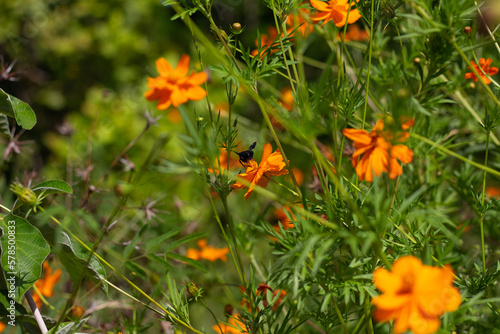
(235, 241)
(367, 89)
(226, 238)
(481, 223)
(456, 155)
(281, 45)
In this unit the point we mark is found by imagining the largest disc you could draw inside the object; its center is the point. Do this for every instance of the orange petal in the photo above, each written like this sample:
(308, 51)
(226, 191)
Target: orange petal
(163, 67)
(320, 5)
(196, 93)
(391, 301)
(197, 78)
(182, 68)
(402, 153)
(386, 281)
(266, 152)
(358, 136)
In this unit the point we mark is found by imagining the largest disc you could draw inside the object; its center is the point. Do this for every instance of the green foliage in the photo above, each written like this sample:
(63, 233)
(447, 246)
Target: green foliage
(22, 258)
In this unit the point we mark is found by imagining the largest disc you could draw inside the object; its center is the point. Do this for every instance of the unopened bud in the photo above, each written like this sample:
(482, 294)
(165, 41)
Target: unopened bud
(236, 26)
(416, 60)
(77, 311)
(468, 30)
(228, 309)
(25, 194)
(193, 290)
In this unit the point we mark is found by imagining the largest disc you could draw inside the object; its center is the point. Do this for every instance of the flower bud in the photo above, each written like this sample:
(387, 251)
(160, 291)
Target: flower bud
(416, 60)
(193, 290)
(468, 30)
(228, 309)
(77, 311)
(25, 195)
(236, 26)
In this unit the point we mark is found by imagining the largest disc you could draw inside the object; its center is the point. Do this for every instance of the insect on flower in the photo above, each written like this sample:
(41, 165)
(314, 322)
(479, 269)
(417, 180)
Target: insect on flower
(246, 156)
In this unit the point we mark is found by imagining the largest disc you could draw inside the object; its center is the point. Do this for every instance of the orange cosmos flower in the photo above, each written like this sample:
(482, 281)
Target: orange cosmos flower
(355, 34)
(281, 216)
(300, 20)
(236, 326)
(174, 86)
(268, 43)
(493, 191)
(209, 253)
(258, 175)
(336, 10)
(484, 67)
(378, 153)
(414, 295)
(46, 284)
(223, 162)
(286, 98)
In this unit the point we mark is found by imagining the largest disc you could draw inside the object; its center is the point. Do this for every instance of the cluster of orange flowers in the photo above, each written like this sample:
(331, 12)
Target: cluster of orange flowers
(271, 164)
(46, 284)
(483, 69)
(206, 252)
(375, 152)
(341, 12)
(414, 295)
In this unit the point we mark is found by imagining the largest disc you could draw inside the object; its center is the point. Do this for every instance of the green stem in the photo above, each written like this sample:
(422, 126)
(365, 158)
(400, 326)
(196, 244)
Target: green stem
(235, 241)
(282, 47)
(367, 89)
(456, 155)
(481, 223)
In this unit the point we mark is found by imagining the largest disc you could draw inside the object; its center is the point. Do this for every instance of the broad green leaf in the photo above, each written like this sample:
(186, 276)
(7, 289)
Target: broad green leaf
(21, 111)
(54, 186)
(74, 258)
(23, 252)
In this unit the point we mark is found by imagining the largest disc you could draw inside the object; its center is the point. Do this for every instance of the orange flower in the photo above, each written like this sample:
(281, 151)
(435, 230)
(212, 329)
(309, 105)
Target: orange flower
(175, 87)
(258, 175)
(2, 327)
(379, 155)
(355, 34)
(281, 216)
(286, 98)
(485, 68)
(235, 322)
(493, 191)
(300, 20)
(267, 43)
(414, 295)
(46, 284)
(336, 10)
(209, 253)
(262, 293)
(223, 162)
